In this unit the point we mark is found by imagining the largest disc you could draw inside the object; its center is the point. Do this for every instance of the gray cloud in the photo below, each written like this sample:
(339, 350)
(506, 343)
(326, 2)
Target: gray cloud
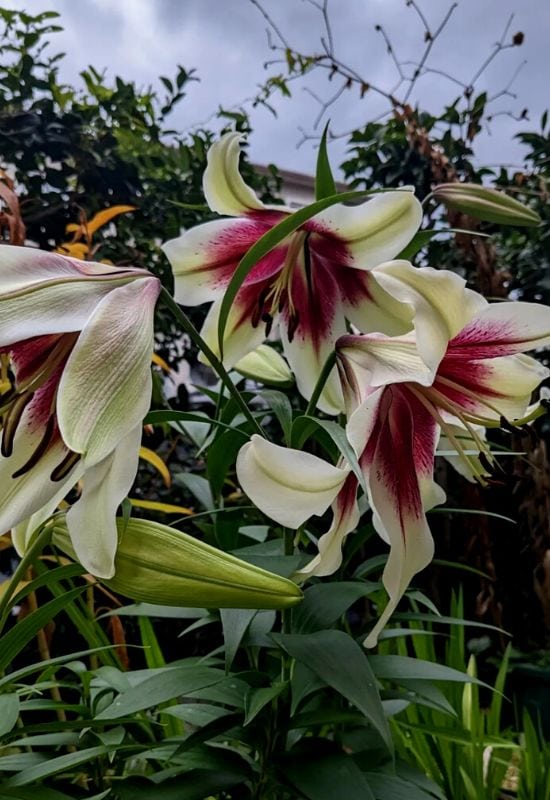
(226, 43)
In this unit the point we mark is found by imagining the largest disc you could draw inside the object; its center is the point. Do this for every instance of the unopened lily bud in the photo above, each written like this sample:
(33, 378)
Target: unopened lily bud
(488, 205)
(161, 565)
(265, 365)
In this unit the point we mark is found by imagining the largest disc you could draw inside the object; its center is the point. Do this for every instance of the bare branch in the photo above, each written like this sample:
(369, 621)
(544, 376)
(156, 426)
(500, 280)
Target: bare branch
(499, 46)
(390, 50)
(432, 38)
(325, 104)
(274, 27)
(418, 10)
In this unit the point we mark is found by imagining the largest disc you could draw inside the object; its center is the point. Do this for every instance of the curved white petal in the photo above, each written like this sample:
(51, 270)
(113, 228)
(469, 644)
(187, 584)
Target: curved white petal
(504, 329)
(286, 484)
(398, 465)
(241, 337)
(224, 189)
(374, 231)
(438, 301)
(345, 520)
(91, 520)
(307, 358)
(22, 268)
(205, 257)
(22, 533)
(105, 388)
(28, 494)
(379, 360)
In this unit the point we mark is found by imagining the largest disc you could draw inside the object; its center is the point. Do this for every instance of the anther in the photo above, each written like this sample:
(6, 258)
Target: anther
(65, 466)
(11, 422)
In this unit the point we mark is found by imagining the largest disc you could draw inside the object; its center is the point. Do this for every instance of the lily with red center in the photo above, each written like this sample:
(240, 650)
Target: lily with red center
(310, 283)
(76, 340)
(397, 407)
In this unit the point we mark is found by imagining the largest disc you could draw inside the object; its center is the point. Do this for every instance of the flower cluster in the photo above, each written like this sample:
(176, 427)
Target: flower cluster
(431, 358)
(419, 357)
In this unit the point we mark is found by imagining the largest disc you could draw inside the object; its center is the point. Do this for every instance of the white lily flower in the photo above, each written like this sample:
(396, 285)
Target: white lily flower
(79, 337)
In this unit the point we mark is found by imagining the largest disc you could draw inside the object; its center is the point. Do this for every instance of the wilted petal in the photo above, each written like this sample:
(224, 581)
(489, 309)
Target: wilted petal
(106, 385)
(374, 231)
(205, 257)
(287, 485)
(345, 519)
(398, 463)
(91, 520)
(224, 189)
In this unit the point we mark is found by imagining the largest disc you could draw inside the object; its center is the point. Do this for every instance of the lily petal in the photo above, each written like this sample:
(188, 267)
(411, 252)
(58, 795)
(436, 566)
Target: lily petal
(438, 301)
(491, 388)
(286, 484)
(33, 490)
(503, 329)
(379, 360)
(224, 189)
(204, 258)
(91, 520)
(346, 518)
(106, 384)
(374, 231)
(401, 490)
(241, 336)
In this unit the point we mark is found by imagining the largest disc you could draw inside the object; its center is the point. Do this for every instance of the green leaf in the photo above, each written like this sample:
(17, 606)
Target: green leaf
(221, 456)
(267, 242)
(235, 621)
(324, 181)
(198, 486)
(38, 793)
(169, 682)
(341, 663)
(390, 787)
(15, 640)
(281, 407)
(334, 775)
(325, 603)
(397, 668)
(256, 699)
(55, 765)
(9, 711)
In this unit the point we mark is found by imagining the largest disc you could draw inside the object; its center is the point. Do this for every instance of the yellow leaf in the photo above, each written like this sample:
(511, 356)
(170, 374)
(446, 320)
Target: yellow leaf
(4, 586)
(76, 250)
(156, 461)
(5, 541)
(105, 216)
(73, 227)
(160, 362)
(156, 505)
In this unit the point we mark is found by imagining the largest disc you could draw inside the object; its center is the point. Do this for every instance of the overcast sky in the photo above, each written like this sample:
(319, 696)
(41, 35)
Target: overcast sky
(225, 41)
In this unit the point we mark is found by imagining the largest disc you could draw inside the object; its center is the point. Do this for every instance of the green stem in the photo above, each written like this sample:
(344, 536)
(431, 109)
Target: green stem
(214, 361)
(320, 385)
(34, 550)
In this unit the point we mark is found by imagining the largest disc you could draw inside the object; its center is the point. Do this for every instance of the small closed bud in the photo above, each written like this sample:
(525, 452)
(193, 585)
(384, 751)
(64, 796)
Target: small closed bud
(265, 365)
(488, 205)
(161, 565)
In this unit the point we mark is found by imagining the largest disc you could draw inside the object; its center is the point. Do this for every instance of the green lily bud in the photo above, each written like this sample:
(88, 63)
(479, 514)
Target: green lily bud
(161, 565)
(265, 365)
(488, 205)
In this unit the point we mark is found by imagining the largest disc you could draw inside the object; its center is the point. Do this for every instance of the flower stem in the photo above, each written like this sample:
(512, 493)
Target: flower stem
(34, 550)
(214, 361)
(320, 385)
